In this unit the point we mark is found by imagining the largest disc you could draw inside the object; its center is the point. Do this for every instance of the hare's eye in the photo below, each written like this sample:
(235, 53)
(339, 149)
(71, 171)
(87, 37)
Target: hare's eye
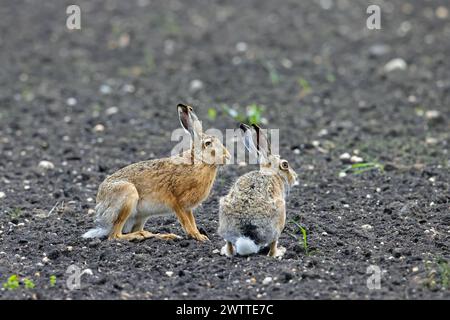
(284, 165)
(208, 143)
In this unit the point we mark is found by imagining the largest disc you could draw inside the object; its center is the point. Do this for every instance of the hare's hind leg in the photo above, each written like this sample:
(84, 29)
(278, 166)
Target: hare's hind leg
(138, 229)
(276, 252)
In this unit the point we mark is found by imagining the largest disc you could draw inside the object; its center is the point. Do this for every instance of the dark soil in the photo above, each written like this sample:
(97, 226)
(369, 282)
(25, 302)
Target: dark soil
(141, 56)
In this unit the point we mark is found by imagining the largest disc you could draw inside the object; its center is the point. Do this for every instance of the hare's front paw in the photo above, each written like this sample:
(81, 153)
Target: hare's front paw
(278, 252)
(200, 237)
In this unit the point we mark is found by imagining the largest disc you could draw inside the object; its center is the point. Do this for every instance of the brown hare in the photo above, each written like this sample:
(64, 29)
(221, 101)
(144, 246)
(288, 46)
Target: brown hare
(130, 196)
(253, 214)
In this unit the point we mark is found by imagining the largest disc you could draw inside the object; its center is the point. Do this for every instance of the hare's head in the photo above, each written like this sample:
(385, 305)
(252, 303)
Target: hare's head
(257, 143)
(206, 148)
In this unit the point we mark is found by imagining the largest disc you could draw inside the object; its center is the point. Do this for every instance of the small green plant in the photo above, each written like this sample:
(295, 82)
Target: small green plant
(253, 114)
(12, 283)
(305, 87)
(52, 280)
(304, 239)
(358, 168)
(29, 284)
(212, 114)
(273, 73)
(444, 269)
(15, 213)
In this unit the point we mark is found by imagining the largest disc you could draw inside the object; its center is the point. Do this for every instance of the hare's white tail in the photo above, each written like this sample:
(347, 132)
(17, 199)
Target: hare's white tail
(246, 246)
(97, 232)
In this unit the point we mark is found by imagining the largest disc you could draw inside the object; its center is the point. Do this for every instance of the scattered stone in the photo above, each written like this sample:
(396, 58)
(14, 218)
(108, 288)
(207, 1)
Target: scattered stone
(2, 195)
(366, 227)
(342, 174)
(442, 12)
(71, 101)
(46, 165)
(296, 151)
(99, 128)
(431, 140)
(45, 259)
(241, 47)
(105, 89)
(91, 211)
(69, 248)
(432, 114)
(395, 64)
(267, 280)
(356, 159)
(378, 50)
(195, 85)
(415, 269)
(169, 273)
(345, 156)
(112, 110)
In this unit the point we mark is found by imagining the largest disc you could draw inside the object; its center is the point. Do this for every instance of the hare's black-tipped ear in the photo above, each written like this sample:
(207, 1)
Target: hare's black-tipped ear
(247, 138)
(189, 120)
(262, 142)
(183, 114)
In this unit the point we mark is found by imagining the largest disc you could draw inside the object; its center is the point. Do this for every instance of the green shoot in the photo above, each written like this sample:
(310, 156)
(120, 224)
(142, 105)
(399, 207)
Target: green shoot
(358, 168)
(253, 114)
(52, 280)
(29, 284)
(12, 283)
(305, 87)
(212, 114)
(15, 213)
(273, 73)
(444, 268)
(304, 241)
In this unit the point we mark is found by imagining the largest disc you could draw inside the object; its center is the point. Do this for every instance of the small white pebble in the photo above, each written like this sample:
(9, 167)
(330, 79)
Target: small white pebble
(366, 227)
(215, 251)
(432, 179)
(69, 248)
(112, 110)
(296, 151)
(378, 189)
(45, 259)
(356, 159)
(432, 114)
(105, 89)
(324, 233)
(368, 196)
(241, 46)
(169, 273)
(395, 64)
(267, 280)
(47, 165)
(415, 269)
(195, 85)
(2, 195)
(342, 174)
(345, 156)
(71, 101)
(99, 128)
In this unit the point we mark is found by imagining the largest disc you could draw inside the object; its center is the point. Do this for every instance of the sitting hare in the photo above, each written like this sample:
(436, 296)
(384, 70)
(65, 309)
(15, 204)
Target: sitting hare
(130, 196)
(252, 215)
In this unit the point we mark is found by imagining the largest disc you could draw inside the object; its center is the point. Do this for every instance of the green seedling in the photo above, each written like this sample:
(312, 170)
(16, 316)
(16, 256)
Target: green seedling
(273, 73)
(444, 269)
(29, 284)
(358, 168)
(52, 280)
(253, 114)
(305, 87)
(15, 213)
(212, 114)
(12, 283)
(304, 239)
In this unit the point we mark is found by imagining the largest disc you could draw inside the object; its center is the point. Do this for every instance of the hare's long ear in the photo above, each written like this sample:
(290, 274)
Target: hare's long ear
(247, 138)
(189, 120)
(262, 142)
